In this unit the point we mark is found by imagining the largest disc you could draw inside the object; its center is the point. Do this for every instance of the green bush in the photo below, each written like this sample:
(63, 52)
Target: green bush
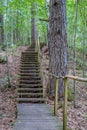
(3, 47)
(70, 94)
(3, 59)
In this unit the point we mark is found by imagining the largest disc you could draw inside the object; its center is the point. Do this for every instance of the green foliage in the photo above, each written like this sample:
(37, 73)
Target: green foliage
(81, 24)
(61, 104)
(3, 82)
(70, 94)
(3, 47)
(86, 116)
(3, 59)
(17, 19)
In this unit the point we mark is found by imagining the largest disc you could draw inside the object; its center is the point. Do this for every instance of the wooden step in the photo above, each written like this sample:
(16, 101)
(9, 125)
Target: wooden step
(29, 71)
(30, 85)
(30, 95)
(29, 68)
(29, 75)
(29, 62)
(31, 49)
(29, 57)
(29, 52)
(30, 81)
(31, 100)
(29, 65)
(29, 90)
(30, 78)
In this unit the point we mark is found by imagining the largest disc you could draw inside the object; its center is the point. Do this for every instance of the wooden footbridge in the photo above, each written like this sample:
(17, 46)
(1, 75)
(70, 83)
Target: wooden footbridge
(33, 113)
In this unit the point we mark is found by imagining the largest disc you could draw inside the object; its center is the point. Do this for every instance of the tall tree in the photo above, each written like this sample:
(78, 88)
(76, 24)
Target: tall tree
(1, 29)
(57, 43)
(75, 35)
(33, 39)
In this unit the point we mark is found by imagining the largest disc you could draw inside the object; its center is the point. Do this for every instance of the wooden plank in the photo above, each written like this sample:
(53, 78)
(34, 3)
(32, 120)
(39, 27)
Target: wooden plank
(36, 117)
(65, 104)
(56, 98)
(76, 78)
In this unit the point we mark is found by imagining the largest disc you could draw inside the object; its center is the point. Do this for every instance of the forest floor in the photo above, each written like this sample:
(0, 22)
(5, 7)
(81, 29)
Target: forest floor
(77, 117)
(8, 96)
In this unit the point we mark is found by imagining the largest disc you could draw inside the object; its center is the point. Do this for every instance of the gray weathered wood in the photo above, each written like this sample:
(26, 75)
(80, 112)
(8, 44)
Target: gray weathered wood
(65, 104)
(36, 117)
(56, 98)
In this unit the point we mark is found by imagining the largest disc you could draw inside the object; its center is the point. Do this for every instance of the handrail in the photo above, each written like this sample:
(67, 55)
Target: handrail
(66, 77)
(76, 78)
(65, 96)
(53, 75)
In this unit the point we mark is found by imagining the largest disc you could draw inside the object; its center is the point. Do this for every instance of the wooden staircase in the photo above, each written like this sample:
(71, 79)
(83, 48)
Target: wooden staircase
(30, 86)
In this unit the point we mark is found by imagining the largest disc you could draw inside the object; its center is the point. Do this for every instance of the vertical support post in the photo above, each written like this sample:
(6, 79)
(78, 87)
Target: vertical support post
(43, 79)
(56, 97)
(65, 104)
(36, 49)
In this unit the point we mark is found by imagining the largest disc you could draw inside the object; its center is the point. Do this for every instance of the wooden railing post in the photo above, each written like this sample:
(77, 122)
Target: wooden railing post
(36, 49)
(65, 94)
(65, 104)
(56, 97)
(39, 60)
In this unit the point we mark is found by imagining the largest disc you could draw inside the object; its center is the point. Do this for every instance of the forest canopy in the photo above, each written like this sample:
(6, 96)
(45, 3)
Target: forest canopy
(17, 17)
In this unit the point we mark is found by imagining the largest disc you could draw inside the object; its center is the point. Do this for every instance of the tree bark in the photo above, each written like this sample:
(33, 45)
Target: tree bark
(33, 39)
(57, 43)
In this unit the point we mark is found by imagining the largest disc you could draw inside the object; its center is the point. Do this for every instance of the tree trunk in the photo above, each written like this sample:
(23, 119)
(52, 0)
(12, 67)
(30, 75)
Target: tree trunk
(33, 39)
(57, 43)
(1, 30)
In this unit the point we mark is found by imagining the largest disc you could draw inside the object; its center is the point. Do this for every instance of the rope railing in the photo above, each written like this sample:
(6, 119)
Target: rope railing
(66, 77)
(53, 75)
(65, 94)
